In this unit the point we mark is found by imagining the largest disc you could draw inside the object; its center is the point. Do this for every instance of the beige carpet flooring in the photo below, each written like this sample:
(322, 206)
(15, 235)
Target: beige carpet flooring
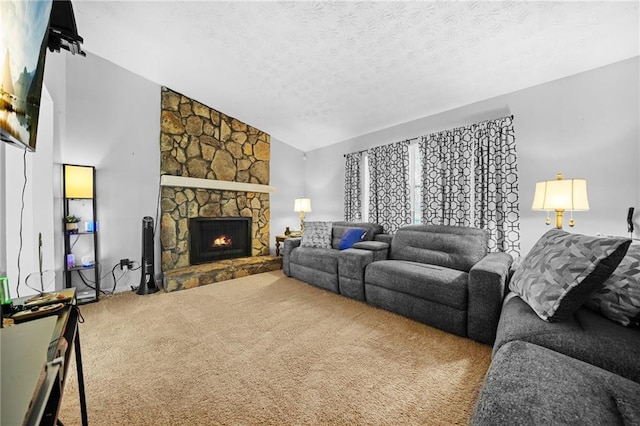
(268, 349)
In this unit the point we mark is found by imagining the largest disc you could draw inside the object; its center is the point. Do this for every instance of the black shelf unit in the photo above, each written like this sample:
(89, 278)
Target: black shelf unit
(84, 206)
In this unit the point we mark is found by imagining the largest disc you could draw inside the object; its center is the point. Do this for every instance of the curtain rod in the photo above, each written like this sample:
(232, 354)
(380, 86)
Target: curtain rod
(413, 139)
(365, 150)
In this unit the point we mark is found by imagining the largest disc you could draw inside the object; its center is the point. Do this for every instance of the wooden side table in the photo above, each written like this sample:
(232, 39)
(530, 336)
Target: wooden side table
(280, 239)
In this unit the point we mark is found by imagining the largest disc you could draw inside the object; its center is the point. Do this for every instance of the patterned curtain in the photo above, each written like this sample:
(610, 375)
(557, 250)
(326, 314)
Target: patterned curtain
(389, 203)
(497, 205)
(470, 178)
(352, 196)
(447, 170)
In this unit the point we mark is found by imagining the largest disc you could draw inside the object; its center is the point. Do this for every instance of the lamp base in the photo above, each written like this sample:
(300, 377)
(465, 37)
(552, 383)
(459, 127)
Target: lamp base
(559, 214)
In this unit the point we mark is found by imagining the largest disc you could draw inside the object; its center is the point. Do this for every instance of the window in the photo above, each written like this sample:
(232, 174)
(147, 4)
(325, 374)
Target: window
(415, 179)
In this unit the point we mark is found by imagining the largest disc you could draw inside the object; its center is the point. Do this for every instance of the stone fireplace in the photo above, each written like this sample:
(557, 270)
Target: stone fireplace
(212, 167)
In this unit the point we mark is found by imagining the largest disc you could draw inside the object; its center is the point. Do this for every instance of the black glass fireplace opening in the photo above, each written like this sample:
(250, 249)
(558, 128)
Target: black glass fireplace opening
(212, 239)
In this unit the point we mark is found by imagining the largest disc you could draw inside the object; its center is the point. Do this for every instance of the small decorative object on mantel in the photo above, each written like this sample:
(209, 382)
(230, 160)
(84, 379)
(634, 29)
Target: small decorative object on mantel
(71, 223)
(287, 231)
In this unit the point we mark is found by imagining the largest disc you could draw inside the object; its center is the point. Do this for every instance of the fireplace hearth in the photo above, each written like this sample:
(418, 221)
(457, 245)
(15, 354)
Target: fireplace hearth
(214, 239)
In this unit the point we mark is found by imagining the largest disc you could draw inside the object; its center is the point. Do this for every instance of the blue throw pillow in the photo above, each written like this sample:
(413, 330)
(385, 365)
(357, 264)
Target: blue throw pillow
(351, 236)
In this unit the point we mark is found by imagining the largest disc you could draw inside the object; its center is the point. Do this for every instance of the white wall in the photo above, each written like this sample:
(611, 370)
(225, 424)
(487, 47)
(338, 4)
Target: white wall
(585, 126)
(287, 175)
(112, 122)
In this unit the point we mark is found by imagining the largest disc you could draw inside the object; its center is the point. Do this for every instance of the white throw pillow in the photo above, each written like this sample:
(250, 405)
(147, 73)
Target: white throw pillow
(317, 234)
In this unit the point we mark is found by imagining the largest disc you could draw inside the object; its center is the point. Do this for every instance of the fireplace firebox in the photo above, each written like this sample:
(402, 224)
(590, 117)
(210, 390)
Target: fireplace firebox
(213, 239)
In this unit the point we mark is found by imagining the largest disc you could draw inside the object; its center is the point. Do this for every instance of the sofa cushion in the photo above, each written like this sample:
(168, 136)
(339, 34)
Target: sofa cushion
(448, 246)
(350, 237)
(322, 259)
(339, 228)
(316, 234)
(585, 335)
(619, 298)
(430, 282)
(563, 269)
(530, 385)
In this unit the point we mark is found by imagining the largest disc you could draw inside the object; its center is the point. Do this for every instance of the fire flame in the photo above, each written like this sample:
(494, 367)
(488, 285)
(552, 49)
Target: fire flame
(221, 241)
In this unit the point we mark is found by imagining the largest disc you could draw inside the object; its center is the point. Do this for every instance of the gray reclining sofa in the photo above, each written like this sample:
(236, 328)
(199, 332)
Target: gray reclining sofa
(319, 266)
(439, 275)
(442, 276)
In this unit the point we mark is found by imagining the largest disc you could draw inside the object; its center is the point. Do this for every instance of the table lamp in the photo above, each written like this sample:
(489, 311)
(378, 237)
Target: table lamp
(302, 205)
(560, 195)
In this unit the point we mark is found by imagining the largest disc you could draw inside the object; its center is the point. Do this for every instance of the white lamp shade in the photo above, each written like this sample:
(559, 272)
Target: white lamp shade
(78, 181)
(561, 194)
(302, 205)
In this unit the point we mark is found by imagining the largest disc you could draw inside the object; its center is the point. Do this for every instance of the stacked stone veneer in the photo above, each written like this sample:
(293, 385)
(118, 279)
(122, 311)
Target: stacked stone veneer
(199, 142)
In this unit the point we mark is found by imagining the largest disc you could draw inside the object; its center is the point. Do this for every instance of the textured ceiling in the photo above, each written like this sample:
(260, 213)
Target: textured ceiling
(316, 73)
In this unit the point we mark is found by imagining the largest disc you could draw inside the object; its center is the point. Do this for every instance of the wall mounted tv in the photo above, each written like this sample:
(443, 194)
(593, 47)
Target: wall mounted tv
(24, 33)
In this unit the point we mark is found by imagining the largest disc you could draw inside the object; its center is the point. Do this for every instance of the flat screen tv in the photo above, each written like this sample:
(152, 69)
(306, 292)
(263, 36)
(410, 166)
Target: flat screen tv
(24, 30)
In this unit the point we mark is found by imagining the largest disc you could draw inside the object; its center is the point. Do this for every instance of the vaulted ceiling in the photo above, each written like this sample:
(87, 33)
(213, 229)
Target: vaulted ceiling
(316, 73)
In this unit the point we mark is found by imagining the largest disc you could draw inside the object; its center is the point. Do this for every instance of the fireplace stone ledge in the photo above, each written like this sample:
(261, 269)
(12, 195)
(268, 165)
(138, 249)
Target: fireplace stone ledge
(199, 275)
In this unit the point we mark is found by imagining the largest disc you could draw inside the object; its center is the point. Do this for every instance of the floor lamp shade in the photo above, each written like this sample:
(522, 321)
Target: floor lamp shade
(78, 181)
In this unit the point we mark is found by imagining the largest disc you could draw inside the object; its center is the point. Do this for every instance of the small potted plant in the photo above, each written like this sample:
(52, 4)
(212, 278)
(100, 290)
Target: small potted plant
(71, 223)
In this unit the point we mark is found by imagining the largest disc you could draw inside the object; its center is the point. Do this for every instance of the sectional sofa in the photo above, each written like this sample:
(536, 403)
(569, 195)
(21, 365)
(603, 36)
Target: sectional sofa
(568, 355)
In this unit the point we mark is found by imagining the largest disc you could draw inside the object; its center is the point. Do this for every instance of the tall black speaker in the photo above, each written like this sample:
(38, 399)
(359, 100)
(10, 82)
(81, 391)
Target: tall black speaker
(147, 282)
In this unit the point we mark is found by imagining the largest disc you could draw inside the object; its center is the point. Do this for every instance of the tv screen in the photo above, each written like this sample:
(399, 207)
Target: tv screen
(24, 29)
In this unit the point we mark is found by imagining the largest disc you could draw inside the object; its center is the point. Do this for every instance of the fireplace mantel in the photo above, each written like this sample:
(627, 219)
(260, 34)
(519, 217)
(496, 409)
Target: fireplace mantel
(190, 182)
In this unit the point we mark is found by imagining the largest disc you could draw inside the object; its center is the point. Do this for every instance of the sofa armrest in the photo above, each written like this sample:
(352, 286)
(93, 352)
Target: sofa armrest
(351, 265)
(380, 250)
(289, 245)
(488, 280)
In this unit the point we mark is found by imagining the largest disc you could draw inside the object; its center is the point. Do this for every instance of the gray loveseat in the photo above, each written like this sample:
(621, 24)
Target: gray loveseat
(320, 266)
(442, 276)
(583, 369)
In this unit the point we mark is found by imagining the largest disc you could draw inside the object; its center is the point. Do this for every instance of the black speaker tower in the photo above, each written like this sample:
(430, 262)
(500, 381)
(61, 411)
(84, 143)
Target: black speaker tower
(147, 282)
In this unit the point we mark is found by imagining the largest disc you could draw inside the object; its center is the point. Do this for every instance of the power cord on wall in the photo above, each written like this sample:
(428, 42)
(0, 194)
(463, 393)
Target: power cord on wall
(115, 281)
(24, 187)
(91, 284)
(86, 282)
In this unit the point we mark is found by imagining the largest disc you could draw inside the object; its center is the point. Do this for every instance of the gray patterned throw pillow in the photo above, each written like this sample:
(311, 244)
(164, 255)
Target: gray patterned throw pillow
(316, 234)
(562, 270)
(619, 298)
